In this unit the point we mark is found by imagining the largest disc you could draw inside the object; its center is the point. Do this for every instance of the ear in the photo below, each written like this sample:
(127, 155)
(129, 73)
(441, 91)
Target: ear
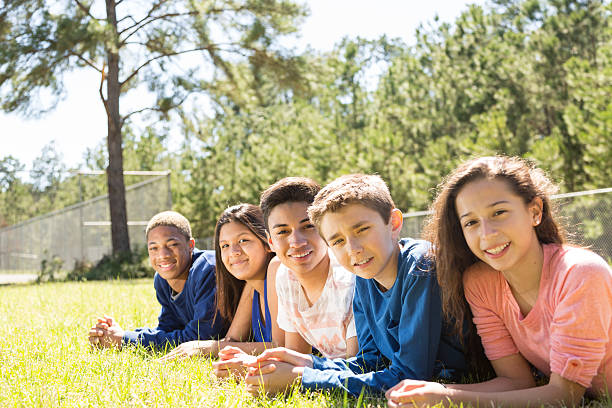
(536, 210)
(191, 244)
(270, 241)
(396, 221)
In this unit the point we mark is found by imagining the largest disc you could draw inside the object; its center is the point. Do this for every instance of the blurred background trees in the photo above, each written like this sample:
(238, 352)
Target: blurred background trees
(530, 78)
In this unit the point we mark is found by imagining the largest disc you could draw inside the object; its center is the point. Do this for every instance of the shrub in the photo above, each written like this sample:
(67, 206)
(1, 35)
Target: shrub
(123, 265)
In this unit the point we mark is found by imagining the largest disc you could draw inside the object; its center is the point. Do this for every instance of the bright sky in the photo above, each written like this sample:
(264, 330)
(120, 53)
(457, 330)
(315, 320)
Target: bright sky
(79, 121)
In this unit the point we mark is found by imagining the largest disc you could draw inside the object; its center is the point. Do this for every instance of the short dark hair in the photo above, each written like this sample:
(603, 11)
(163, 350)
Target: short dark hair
(287, 190)
(170, 219)
(366, 189)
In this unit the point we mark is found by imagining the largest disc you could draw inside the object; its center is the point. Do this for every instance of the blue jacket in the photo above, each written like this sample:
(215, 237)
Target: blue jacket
(400, 332)
(190, 315)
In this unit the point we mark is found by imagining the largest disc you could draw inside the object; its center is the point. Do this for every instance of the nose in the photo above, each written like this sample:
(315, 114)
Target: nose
(354, 245)
(297, 239)
(487, 228)
(164, 251)
(235, 249)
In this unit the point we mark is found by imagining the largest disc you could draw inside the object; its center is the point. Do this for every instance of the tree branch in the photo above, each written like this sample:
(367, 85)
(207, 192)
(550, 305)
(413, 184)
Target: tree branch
(149, 18)
(149, 14)
(85, 9)
(141, 24)
(154, 109)
(126, 18)
(172, 54)
(86, 61)
(104, 102)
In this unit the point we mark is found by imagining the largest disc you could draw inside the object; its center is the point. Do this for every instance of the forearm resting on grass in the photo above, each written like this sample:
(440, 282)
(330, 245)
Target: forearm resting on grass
(514, 386)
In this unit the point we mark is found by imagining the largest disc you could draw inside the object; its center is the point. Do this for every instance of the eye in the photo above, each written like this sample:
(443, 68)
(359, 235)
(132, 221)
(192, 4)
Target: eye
(469, 223)
(336, 242)
(243, 240)
(151, 249)
(499, 212)
(223, 246)
(281, 232)
(309, 226)
(362, 229)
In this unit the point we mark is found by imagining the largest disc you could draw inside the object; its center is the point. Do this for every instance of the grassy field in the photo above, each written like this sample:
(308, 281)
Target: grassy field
(46, 361)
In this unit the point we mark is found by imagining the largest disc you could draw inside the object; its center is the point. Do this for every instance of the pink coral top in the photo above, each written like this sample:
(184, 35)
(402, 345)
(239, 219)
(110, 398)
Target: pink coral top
(568, 329)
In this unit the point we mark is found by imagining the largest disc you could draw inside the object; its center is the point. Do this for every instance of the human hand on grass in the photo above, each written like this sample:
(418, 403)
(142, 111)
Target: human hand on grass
(232, 361)
(192, 348)
(414, 393)
(106, 333)
(230, 352)
(286, 355)
(272, 376)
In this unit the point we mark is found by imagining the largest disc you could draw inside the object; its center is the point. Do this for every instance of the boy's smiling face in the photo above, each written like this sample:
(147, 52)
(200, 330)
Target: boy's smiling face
(169, 252)
(294, 238)
(363, 243)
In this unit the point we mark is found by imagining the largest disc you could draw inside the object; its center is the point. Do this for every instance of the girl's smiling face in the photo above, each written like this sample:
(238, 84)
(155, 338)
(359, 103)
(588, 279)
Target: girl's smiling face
(242, 252)
(498, 225)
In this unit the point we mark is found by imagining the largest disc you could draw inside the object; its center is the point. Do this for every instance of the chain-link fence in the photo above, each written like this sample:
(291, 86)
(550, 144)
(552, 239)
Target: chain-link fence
(81, 231)
(584, 214)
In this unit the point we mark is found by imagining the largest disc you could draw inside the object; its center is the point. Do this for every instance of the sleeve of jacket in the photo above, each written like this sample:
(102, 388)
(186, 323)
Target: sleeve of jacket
(419, 336)
(201, 326)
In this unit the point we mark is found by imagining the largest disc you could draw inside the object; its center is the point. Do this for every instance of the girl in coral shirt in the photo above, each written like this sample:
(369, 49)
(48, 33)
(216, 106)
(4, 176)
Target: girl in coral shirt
(534, 299)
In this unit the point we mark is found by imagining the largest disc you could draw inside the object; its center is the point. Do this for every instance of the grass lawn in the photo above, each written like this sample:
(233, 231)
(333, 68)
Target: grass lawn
(46, 361)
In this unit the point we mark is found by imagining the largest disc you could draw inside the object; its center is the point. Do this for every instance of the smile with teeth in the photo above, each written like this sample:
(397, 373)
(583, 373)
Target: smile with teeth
(166, 265)
(360, 263)
(301, 254)
(497, 250)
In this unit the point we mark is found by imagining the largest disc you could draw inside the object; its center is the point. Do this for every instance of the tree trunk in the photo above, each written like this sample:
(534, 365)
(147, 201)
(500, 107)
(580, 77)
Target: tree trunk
(114, 172)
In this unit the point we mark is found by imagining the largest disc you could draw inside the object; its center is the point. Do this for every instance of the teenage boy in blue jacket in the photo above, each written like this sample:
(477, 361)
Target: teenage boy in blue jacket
(397, 306)
(185, 287)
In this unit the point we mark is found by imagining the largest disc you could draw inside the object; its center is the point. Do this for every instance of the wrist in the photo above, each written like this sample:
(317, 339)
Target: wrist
(310, 362)
(212, 348)
(117, 339)
(445, 391)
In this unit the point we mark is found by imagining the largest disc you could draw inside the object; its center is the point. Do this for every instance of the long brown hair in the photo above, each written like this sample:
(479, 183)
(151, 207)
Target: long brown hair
(443, 230)
(230, 288)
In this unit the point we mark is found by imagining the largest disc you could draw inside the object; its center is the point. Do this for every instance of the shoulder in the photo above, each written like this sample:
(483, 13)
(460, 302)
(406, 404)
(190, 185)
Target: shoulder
(273, 268)
(339, 273)
(202, 277)
(277, 270)
(280, 274)
(202, 261)
(159, 282)
(570, 263)
(479, 272)
(162, 289)
(483, 285)
(415, 257)
(572, 256)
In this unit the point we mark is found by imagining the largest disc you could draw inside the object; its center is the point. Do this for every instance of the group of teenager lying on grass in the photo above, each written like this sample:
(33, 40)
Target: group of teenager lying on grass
(316, 286)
